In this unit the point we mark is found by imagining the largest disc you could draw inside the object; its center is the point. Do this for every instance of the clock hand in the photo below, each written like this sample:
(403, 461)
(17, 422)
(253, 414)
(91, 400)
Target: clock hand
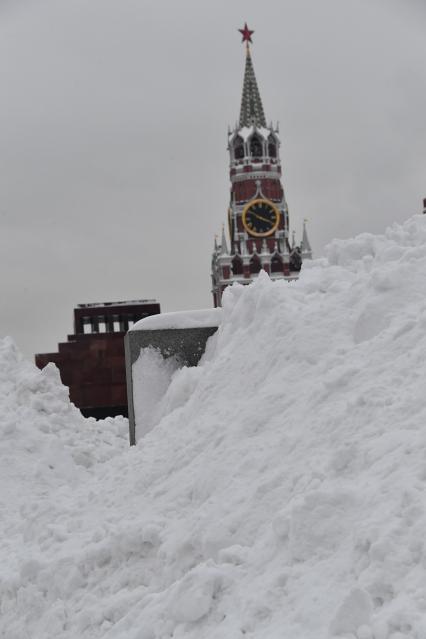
(260, 217)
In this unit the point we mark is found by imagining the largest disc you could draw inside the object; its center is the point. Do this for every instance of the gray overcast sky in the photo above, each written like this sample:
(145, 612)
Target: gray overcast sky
(113, 119)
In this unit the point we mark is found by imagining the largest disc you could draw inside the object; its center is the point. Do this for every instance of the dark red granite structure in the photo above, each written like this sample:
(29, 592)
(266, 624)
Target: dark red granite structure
(91, 363)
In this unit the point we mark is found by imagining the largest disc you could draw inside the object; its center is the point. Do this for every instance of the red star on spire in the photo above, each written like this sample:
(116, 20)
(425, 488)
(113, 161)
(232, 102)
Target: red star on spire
(246, 33)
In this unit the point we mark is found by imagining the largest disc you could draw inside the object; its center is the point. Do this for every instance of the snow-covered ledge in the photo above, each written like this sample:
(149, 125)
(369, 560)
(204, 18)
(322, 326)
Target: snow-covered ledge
(155, 347)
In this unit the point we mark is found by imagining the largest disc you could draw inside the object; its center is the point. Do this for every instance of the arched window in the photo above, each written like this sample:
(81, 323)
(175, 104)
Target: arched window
(255, 264)
(256, 147)
(238, 148)
(237, 266)
(276, 264)
(272, 147)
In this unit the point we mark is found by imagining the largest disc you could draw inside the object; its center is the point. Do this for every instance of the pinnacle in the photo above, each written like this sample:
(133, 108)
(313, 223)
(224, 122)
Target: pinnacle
(305, 240)
(223, 246)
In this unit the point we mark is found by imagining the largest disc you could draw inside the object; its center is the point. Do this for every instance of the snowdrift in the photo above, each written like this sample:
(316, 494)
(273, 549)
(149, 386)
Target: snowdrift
(281, 494)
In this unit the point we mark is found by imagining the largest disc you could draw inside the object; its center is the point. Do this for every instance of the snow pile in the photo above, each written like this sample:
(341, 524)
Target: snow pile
(152, 375)
(282, 493)
(44, 439)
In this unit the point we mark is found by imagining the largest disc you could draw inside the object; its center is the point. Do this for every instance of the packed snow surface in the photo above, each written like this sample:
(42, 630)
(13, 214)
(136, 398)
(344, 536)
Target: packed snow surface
(280, 495)
(151, 377)
(180, 319)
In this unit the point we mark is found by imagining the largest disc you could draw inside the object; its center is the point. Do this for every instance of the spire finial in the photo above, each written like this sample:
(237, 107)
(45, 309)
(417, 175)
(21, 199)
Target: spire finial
(246, 33)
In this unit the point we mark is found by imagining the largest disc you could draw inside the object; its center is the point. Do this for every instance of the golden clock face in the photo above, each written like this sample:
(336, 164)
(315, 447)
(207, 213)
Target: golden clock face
(260, 218)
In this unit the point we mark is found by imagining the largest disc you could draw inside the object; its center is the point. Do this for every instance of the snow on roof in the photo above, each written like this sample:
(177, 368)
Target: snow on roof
(246, 131)
(180, 319)
(123, 303)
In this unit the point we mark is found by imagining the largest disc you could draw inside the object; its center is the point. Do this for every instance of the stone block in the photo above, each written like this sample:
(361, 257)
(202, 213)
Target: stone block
(187, 345)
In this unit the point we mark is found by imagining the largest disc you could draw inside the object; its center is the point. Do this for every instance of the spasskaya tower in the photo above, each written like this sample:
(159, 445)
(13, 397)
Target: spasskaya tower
(258, 220)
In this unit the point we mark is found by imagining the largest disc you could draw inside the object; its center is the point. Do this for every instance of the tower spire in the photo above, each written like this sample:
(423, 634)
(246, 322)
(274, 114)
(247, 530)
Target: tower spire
(306, 245)
(251, 104)
(223, 245)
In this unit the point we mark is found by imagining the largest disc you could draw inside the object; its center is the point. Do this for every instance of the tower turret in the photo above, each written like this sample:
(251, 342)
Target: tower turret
(258, 217)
